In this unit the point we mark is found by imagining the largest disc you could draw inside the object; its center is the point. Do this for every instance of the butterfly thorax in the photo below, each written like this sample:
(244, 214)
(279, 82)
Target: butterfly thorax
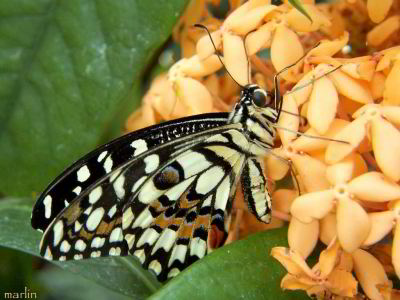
(256, 119)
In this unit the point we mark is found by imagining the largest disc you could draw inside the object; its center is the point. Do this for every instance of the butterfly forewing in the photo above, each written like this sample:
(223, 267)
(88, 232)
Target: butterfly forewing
(97, 164)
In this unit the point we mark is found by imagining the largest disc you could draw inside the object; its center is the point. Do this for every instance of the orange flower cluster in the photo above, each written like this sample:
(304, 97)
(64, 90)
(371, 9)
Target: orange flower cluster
(348, 178)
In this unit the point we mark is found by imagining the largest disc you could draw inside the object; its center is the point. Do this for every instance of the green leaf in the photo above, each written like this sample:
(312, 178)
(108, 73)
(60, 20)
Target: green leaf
(298, 5)
(241, 270)
(68, 69)
(121, 274)
(60, 284)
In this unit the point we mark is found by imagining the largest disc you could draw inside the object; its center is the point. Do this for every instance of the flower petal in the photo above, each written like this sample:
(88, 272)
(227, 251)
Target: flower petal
(307, 144)
(303, 237)
(312, 172)
(374, 186)
(328, 47)
(351, 88)
(288, 121)
(327, 231)
(377, 85)
(259, 39)
(286, 49)
(204, 46)
(312, 206)
(195, 67)
(381, 224)
(363, 70)
(382, 31)
(235, 58)
(276, 165)
(353, 224)
(388, 56)
(391, 93)
(342, 283)
(378, 9)
(328, 259)
(392, 113)
(354, 133)
(299, 22)
(386, 145)
(323, 105)
(193, 95)
(369, 272)
(250, 20)
(292, 261)
(341, 172)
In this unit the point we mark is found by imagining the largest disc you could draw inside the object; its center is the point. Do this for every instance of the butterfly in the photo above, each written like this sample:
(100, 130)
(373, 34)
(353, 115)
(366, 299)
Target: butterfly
(156, 193)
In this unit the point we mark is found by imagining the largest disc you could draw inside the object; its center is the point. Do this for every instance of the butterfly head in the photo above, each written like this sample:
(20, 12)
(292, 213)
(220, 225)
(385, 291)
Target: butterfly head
(256, 111)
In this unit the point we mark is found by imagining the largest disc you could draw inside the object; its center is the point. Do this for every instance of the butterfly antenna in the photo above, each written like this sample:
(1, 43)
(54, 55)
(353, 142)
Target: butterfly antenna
(276, 83)
(216, 51)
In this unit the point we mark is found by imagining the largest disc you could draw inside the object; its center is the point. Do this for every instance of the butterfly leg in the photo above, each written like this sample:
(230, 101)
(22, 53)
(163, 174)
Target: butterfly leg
(255, 194)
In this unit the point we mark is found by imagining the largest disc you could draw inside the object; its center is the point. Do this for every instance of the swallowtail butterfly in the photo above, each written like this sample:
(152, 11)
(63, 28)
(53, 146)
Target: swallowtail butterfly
(155, 193)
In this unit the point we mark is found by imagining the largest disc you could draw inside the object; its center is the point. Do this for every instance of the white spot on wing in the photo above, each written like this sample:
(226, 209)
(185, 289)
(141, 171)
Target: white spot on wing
(116, 235)
(192, 163)
(77, 226)
(65, 246)
(115, 251)
(175, 192)
(140, 255)
(95, 218)
(209, 179)
(155, 266)
(166, 240)
(48, 255)
(173, 272)
(149, 192)
(138, 183)
(152, 162)
(130, 239)
(80, 245)
(101, 156)
(222, 194)
(198, 247)
(140, 146)
(144, 219)
(119, 186)
(47, 206)
(58, 232)
(127, 218)
(95, 194)
(108, 163)
(149, 237)
(112, 211)
(178, 253)
(78, 256)
(77, 190)
(83, 174)
(97, 242)
(95, 254)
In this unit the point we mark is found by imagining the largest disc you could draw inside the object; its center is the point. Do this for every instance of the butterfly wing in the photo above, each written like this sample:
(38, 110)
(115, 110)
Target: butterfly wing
(161, 215)
(111, 156)
(171, 232)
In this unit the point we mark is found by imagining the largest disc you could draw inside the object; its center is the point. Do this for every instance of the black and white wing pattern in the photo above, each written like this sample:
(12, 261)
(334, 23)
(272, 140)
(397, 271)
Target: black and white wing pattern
(158, 206)
(99, 163)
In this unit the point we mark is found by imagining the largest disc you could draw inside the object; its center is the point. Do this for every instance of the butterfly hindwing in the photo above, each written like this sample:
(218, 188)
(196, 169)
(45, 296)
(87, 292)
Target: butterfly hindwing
(100, 162)
(172, 231)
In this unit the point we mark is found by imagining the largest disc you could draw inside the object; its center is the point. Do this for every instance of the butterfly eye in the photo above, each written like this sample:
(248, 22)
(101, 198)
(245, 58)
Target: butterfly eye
(261, 98)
